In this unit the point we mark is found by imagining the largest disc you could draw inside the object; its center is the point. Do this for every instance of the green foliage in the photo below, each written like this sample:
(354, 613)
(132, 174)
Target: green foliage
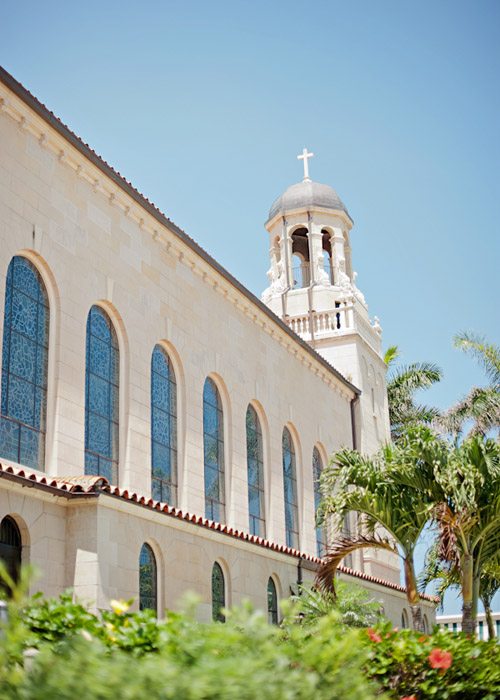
(352, 604)
(400, 662)
(244, 659)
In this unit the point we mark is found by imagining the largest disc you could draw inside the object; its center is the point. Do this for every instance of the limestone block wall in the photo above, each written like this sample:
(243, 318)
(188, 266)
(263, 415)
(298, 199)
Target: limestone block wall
(93, 245)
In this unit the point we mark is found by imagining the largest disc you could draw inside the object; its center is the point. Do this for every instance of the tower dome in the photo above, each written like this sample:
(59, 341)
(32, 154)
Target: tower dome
(305, 195)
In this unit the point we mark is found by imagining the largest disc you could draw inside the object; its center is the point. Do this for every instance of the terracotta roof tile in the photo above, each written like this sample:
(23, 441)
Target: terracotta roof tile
(98, 484)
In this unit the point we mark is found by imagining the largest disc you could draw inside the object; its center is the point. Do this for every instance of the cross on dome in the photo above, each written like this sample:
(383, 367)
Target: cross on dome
(305, 155)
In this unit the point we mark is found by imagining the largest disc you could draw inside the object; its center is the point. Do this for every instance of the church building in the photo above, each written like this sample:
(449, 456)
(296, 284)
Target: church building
(161, 428)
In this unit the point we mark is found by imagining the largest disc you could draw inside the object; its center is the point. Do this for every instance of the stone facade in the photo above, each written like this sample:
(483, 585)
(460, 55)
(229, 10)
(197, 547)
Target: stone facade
(96, 241)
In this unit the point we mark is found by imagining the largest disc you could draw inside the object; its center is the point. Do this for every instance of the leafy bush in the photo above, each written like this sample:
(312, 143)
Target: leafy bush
(131, 655)
(354, 605)
(441, 666)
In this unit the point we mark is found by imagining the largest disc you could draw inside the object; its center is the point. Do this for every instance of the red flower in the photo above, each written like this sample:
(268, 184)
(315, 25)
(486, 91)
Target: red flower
(409, 697)
(374, 636)
(422, 639)
(440, 659)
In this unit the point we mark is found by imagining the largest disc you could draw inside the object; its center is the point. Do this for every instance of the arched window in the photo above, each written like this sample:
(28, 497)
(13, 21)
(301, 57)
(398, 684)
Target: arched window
(213, 446)
(148, 599)
(101, 396)
(25, 354)
(290, 490)
(320, 531)
(163, 428)
(218, 593)
(404, 618)
(255, 467)
(272, 602)
(10, 547)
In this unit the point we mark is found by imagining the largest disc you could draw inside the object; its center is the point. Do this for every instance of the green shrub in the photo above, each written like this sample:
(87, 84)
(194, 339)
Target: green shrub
(244, 659)
(441, 666)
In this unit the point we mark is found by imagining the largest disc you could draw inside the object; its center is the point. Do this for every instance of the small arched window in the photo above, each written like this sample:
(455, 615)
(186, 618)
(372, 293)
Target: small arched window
(101, 396)
(25, 354)
(290, 490)
(163, 428)
(404, 619)
(213, 447)
(255, 468)
(148, 598)
(218, 593)
(272, 602)
(320, 531)
(10, 547)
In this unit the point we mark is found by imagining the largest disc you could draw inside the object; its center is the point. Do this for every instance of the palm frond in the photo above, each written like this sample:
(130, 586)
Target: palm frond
(485, 353)
(340, 549)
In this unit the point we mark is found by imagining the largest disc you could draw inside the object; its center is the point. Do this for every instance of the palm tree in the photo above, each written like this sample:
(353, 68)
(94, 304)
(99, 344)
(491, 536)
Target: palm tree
(368, 486)
(481, 405)
(467, 513)
(402, 385)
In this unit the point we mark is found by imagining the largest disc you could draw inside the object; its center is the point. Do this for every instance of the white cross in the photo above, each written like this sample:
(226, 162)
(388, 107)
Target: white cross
(305, 155)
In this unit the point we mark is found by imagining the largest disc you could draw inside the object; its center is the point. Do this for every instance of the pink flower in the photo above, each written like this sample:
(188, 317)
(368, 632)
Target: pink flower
(440, 659)
(374, 636)
(409, 697)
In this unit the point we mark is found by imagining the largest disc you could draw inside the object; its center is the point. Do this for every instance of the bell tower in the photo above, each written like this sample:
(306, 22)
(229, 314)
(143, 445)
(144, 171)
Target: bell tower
(313, 289)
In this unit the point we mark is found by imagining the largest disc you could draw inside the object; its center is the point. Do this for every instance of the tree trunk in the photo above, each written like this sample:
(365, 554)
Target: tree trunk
(412, 595)
(468, 621)
(416, 614)
(489, 621)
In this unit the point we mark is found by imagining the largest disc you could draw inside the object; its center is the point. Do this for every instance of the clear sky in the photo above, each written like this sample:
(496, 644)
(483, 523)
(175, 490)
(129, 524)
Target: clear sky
(204, 107)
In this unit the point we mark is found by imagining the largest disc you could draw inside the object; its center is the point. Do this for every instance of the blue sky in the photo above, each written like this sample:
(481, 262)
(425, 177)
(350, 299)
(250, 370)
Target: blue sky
(204, 106)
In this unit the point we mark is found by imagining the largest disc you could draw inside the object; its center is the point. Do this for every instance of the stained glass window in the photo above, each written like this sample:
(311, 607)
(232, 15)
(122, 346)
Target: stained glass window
(24, 366)
(10, 549)
(101, 396)
(213, 447)
(320, 531)
(218, 593)
(272, 602)
(163, 428)
(148, 599)
(255, 467)
(290, 490)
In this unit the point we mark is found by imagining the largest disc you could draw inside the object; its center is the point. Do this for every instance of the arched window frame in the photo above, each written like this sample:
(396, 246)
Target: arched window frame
(148, 579)
(290, 489)
(213, 452)
(317, 464)
(164, 433)
(218, 593)
(96, 461)
(272, 602)
(25, 359)
(255, 473)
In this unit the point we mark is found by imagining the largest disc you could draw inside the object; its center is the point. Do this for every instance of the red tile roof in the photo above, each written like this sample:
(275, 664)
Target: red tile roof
(98, 484)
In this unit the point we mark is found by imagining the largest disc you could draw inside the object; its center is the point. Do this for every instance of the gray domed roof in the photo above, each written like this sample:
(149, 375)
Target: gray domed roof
(307, 194)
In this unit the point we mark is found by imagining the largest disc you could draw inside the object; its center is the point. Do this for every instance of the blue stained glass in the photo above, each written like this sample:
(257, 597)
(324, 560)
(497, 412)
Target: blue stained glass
(42, 361)
(213, 449)
(6, 347)
(40, 405)
(9, 439)
(100, 325)
(20, 402)
(30, 446)
(23, 357)
(5, 379)
(156, 489)
(24, 315)
(161, 461)
(163, 427)
(290, 489)
(25, 278)
(98, 437)
(147, 579)
(42, 335)
(100, 358)
(218, 593)
(101, 396)
(253, 501)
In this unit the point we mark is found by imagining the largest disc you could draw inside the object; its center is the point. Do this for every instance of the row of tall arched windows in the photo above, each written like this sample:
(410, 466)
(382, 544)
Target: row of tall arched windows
(24, 401)
(148, 588)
